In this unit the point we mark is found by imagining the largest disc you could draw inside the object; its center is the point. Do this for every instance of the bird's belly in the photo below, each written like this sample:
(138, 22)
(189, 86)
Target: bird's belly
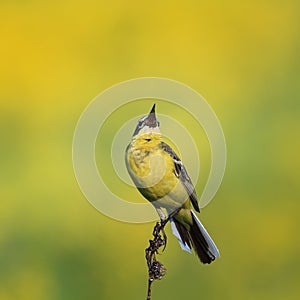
(155, 178)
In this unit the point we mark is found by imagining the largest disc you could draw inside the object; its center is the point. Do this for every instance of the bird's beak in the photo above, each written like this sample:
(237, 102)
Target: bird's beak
(152, 109)
(151, 119)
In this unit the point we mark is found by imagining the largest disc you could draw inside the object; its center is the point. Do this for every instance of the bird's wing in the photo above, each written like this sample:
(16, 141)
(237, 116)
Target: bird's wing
(183, 176)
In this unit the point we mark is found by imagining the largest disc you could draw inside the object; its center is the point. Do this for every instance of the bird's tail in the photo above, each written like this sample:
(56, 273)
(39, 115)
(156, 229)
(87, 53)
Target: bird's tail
(196, 237)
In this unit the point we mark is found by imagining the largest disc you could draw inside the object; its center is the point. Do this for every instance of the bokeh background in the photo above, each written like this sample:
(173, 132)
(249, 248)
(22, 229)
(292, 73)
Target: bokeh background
(55, 56)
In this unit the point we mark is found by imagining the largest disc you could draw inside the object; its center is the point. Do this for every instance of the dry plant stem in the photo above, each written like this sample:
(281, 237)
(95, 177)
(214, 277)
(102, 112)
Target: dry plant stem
(156, 269)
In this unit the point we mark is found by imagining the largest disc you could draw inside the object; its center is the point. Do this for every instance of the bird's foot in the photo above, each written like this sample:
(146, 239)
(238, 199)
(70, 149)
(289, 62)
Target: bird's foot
(158, 239)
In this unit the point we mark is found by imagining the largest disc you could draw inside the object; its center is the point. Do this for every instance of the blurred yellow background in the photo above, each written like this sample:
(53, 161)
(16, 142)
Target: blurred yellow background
(55, 56)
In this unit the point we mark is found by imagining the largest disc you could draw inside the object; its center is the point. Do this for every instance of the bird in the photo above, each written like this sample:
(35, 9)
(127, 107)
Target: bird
(160, 176)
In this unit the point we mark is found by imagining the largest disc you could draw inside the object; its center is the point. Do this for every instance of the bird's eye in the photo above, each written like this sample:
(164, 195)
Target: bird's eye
(148, 140)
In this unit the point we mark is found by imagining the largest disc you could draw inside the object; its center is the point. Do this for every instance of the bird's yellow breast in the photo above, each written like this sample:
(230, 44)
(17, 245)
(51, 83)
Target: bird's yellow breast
(152, 170)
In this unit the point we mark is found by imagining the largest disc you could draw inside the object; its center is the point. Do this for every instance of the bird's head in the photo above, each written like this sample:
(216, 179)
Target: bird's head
(147, 124)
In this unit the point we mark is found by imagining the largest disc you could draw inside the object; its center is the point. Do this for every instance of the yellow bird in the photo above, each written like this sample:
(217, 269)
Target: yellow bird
(162, 179)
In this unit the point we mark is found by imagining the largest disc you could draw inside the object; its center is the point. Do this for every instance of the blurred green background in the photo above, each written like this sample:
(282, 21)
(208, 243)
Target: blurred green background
(243, 57)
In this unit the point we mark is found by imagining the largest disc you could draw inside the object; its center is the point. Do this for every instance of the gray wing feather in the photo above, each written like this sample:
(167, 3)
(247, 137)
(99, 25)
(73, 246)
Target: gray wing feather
(183, 176)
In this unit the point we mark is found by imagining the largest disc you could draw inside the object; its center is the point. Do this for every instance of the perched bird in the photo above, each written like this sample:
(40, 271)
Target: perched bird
(162, 179)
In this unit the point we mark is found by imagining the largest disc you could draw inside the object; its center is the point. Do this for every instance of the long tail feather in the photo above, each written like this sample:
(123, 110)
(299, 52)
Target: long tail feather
(185, 245)
(196, 237)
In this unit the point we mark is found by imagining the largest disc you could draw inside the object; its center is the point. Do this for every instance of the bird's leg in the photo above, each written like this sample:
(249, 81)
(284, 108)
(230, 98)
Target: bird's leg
(161, 225)
(161, 214)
